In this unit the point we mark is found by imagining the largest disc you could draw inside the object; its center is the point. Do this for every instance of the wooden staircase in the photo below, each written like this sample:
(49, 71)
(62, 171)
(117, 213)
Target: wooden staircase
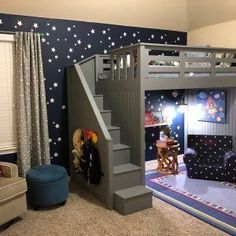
(128, 194)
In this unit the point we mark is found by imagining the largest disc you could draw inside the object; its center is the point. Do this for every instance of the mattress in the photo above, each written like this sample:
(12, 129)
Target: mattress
(188, 75)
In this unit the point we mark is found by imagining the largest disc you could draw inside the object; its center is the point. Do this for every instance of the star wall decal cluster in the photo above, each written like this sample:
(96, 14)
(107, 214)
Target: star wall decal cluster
(159, 101)
(66, 42)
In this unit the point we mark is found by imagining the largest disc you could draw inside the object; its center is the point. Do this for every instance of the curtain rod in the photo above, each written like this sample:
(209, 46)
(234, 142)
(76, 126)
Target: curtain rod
(12, 32)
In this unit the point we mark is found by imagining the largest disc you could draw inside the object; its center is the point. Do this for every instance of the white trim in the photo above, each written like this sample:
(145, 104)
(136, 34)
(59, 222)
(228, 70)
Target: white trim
(7, 37)
(8, 150)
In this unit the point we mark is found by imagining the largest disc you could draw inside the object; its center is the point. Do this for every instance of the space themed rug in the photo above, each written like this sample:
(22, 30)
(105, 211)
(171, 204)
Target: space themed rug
(211, 201)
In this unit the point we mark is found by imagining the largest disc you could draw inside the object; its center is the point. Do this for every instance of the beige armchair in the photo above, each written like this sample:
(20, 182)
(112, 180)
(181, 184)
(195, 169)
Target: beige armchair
(12, 193)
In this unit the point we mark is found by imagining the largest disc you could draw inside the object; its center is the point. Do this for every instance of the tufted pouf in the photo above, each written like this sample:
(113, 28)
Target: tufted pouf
(47, 186)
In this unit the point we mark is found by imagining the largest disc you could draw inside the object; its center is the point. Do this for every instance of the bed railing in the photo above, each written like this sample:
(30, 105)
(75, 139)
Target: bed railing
(148, 61)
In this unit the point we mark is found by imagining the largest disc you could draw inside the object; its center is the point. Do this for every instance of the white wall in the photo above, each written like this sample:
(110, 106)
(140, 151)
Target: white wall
(162, 14)
(218, 35)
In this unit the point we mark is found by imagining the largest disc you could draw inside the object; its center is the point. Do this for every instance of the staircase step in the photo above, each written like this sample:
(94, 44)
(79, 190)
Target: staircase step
(126, 175)
(121, 154)
(133, 199)
(99, 101)
(106, 115)
(115, 133)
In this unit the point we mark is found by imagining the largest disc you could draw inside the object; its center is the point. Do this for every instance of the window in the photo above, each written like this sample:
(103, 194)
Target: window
(8, 142)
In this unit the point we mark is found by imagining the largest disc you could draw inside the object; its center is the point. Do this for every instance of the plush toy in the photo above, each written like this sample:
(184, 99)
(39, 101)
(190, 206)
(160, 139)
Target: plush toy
(78, 150)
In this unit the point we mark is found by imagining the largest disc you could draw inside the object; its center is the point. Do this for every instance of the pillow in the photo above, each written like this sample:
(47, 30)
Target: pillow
(197, 55)
(190, 152)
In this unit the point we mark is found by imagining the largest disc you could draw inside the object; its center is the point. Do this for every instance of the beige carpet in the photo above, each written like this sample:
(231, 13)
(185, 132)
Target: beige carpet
(84, 215)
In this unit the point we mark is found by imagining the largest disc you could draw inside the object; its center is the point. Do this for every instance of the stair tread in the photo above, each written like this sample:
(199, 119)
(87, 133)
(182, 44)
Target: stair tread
(103, 111)
(111, 127)
(125, 168)
(132, 191)
(120, 146)
(98, 95)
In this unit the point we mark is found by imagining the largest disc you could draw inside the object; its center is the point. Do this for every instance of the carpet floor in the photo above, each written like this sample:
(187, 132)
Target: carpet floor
(83, 214)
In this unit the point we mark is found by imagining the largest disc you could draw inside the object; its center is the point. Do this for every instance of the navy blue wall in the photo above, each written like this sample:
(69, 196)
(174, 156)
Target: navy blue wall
(66, 42)
(159, 101)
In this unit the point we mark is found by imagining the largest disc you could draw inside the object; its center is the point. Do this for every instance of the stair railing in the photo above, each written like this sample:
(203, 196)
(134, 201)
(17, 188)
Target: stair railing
(84, 113)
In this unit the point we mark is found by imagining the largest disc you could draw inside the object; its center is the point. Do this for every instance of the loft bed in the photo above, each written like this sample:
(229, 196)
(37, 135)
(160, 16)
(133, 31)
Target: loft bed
(155, 64)
(123, 77)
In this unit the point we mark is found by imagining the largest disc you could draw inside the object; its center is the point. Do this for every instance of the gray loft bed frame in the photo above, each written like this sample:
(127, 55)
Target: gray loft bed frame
(123, 77)
(124, 88)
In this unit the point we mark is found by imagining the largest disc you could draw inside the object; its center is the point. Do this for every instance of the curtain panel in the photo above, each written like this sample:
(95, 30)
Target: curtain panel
(31, 108)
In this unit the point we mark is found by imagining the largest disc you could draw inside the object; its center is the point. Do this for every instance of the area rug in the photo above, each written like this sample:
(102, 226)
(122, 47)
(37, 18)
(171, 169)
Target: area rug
(211, 201)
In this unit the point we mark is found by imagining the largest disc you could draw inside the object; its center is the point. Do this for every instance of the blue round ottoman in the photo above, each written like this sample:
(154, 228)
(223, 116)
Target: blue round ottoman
(47, 186)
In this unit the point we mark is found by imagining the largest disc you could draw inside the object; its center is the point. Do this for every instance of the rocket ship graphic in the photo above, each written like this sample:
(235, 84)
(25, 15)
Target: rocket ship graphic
(211, 106)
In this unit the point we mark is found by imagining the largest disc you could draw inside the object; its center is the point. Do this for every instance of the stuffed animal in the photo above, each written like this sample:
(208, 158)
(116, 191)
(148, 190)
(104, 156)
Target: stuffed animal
(78, 150)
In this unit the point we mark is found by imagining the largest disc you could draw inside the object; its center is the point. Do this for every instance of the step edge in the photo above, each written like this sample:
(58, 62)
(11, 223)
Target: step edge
(105, 111)
(111, 127)
(125, 171)
(120, 148)
(134, 196)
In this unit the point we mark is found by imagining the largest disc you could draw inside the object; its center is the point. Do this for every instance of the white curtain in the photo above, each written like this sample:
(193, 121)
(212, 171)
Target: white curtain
(31, 110)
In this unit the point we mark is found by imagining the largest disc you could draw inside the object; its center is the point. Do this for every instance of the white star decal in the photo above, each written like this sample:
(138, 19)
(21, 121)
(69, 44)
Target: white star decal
(53, 49)
(54, 28)
(89, 46)
(1, 21)
(49, 140)
(112, 44)
(152, 36)
(19, 22)
(57, 126)
(105, 51)
(43, 40)
(162, 37)
(134, 35)
(52, 100)
(109, 38)
(79, 41)
(82, 56)
(55, 84)
(92, 31)
(55, 154)
(68, 29)
(178, 38)
(68, 56)
(63, 107)
(35, 25)
(59, 139)
(74, 60)
(75, 35)
(49, 60)
(104, 32)
(70, 50)
(47, 34)
(125, 34)
(56, 56)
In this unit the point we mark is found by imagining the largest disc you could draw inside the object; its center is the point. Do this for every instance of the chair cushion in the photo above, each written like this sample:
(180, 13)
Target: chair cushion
(11, 187)
(46, 173)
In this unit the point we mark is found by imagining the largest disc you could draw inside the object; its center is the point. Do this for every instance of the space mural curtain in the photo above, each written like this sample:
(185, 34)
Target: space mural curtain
(31, 110)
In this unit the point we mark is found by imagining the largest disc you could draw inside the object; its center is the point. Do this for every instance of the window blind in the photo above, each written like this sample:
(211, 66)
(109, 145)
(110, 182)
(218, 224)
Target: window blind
(8, 142)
